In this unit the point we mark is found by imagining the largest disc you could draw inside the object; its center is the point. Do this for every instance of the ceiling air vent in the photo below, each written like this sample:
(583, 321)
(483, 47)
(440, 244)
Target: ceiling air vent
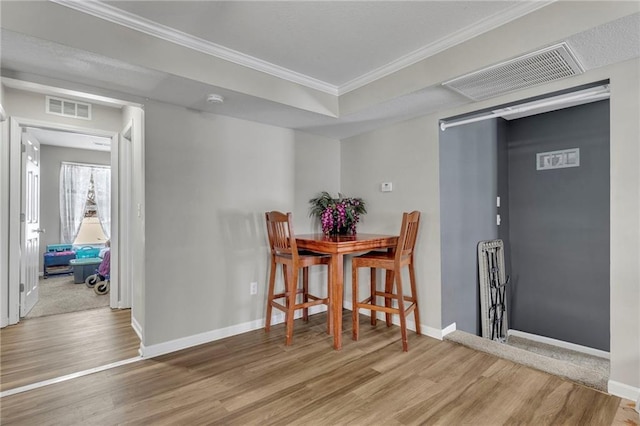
(68, 108)
(546, 65)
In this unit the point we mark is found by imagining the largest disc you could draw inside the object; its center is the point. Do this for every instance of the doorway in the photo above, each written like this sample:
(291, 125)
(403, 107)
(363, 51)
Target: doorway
(72, 161)
(554, 222)
(113, 113)
(16, 266)
(133, 116)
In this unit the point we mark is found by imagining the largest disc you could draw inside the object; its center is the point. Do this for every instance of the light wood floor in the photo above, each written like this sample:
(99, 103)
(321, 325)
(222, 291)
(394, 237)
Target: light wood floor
(44, 348)
(254, 379)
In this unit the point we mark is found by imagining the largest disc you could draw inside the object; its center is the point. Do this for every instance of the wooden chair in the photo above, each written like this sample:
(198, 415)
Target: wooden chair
(393, 261)
(284, 252)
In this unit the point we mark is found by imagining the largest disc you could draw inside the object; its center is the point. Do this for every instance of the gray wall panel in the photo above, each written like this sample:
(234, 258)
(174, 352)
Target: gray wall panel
(503, 193)
(559, 227)
(468, 188)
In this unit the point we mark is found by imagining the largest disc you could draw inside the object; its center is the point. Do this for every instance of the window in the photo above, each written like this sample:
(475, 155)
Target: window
(84, 189)
(90, 229)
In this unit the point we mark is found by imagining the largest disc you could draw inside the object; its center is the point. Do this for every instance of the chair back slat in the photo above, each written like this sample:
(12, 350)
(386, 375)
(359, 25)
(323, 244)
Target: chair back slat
(280, 232)
(408, 234)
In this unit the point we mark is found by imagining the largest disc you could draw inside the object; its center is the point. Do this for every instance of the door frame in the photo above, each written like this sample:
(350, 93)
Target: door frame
(15, 170)
(121, 243)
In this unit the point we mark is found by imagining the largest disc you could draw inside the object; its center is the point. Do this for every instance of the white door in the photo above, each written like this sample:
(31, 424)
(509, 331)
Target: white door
(30, 217)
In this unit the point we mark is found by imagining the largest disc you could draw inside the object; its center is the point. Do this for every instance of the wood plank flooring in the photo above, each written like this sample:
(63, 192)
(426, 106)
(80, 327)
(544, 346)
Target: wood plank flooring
(254, 379)
(44, 348)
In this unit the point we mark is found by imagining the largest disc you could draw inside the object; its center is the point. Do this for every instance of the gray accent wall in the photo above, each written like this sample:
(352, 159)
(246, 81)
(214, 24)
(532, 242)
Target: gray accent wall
(468, 189)
(559, 227)
(503, 193)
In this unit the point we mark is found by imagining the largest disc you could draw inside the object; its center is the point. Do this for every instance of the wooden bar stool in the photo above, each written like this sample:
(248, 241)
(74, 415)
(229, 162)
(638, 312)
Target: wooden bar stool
(284, 252)
(392, 261)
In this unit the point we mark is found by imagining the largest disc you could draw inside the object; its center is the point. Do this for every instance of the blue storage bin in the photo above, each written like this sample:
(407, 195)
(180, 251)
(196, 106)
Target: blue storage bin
(84, 267)
(59, 247)
(86, 252)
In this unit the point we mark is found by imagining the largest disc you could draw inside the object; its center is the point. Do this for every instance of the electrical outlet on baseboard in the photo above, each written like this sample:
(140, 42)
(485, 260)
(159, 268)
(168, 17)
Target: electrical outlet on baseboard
(253, 288)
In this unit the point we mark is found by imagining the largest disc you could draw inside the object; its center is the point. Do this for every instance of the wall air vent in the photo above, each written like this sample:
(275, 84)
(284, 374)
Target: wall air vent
(543, 66)
(68, 108)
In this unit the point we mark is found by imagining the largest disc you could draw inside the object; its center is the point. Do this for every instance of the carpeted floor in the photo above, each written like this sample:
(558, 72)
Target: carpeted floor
(575, 366)
(59, 295)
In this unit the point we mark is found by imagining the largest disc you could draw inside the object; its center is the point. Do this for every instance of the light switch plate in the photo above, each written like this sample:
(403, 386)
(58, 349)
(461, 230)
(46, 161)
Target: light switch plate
(386, 187)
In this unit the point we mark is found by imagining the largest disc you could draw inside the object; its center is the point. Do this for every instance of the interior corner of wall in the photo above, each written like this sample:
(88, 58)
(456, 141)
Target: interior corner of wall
(449, 329)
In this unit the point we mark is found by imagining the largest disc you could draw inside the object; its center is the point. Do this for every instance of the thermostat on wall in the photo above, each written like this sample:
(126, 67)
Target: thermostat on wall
(386, 187)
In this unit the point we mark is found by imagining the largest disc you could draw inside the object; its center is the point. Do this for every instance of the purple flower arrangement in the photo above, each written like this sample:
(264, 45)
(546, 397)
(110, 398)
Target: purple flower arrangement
(337, 215)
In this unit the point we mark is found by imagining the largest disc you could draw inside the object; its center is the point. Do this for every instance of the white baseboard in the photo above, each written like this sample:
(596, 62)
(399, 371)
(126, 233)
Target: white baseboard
(136, 327)
(211, 336)
(559, 343)
(449, 329)
(624, 391)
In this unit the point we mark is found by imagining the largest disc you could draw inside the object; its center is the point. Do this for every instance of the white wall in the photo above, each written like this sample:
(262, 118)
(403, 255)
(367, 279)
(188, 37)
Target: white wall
(407, 155)
(209, 180)
(317, 168)
(625, 224)
(404, 155)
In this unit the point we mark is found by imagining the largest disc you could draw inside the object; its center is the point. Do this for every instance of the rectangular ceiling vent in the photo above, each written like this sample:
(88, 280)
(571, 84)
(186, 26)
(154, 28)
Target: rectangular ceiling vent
(543, 66)
(68, 108)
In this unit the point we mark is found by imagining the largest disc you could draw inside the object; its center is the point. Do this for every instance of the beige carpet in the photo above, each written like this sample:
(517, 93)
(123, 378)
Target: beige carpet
(59, 295)
(584, 369)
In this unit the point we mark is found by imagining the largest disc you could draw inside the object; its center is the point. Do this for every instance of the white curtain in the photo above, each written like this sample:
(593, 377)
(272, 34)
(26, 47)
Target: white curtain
(74, 187)
(102, 190)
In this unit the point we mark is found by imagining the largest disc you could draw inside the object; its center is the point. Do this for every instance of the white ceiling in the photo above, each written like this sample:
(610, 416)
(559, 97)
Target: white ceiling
(337, 46)
(335, 42)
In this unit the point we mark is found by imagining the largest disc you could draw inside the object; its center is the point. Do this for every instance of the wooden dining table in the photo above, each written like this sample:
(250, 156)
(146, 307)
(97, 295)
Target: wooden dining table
(337, 246)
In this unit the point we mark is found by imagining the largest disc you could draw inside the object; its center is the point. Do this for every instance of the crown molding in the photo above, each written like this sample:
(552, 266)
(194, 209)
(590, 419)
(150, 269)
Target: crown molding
(118, 16)
(138, 23)
(460, 36)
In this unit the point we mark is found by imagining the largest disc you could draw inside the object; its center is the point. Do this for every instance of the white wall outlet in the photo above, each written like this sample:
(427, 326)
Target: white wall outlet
(253, 288)
(386, 187)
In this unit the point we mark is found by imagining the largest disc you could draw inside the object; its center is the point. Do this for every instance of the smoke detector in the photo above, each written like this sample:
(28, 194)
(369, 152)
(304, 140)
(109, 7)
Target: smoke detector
(214, 98)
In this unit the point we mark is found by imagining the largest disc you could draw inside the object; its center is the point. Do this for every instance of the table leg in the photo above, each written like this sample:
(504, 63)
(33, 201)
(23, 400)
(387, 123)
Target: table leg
(337, 277)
